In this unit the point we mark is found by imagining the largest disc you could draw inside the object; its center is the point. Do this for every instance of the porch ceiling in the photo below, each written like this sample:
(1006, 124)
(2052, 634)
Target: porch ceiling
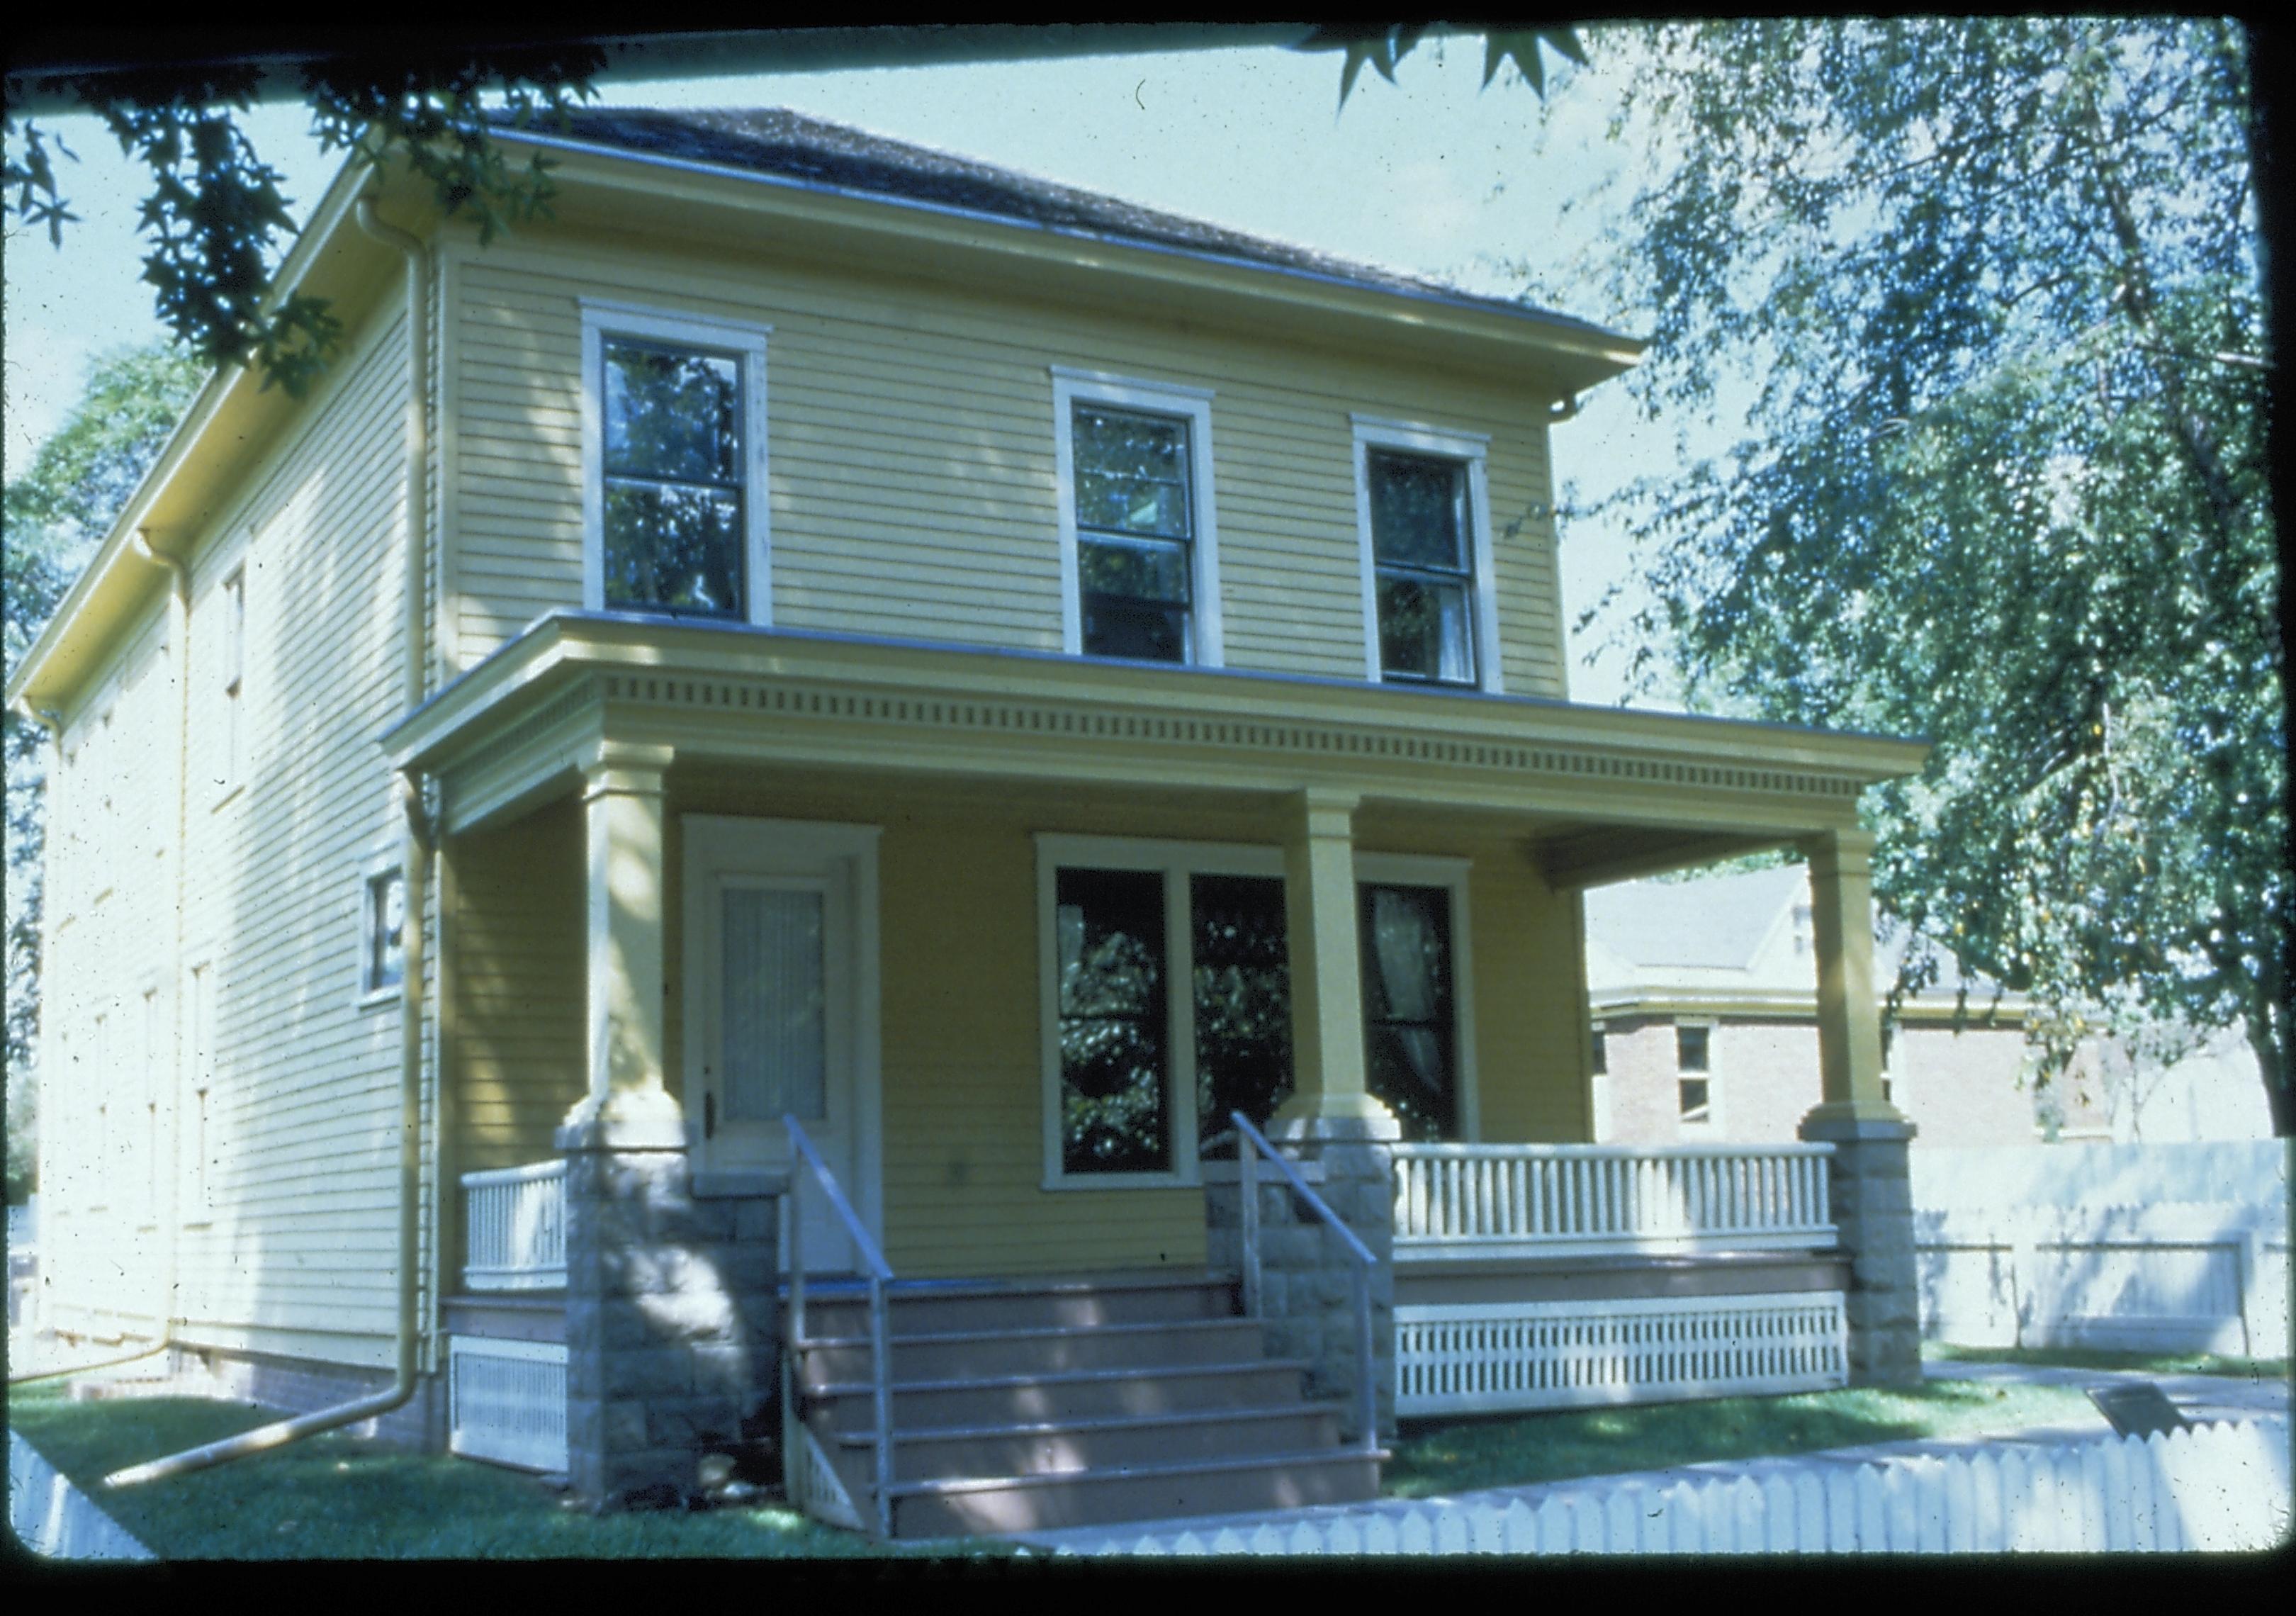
(1600, 794)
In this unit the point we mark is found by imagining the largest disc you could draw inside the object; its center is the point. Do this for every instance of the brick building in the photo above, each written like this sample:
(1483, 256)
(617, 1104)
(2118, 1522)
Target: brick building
(1705, 1029)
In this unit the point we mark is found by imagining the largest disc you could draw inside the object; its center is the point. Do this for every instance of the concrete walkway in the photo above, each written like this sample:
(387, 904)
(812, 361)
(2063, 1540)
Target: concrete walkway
(2200, 1398)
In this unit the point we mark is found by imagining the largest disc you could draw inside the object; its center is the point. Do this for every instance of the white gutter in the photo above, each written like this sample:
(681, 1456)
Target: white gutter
(416, 851)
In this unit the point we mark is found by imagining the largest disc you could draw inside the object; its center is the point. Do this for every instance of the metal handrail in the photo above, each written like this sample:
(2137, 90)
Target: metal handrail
(881, 1274)
(1247, 1165)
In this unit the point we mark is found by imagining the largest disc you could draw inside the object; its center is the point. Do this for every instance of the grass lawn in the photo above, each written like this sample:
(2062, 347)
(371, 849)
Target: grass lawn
(334, 1497)
(1460, 1455)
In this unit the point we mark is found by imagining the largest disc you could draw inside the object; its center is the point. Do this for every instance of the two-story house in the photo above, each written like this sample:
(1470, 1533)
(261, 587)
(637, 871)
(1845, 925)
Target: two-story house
(829, 647)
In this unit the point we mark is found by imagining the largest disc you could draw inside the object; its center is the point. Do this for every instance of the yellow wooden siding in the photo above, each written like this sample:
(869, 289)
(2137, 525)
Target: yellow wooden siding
(910, 437)
(303, 1112)
(107, 1053)
(514, 1061)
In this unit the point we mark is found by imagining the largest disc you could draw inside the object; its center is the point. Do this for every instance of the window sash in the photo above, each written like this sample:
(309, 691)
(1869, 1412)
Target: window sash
(1142, 622)
(1424, 604)
(1410, 1001)
(657, 557)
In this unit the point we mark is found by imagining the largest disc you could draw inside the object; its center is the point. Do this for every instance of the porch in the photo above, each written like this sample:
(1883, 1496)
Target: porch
(1521, 1277)
(695, 877)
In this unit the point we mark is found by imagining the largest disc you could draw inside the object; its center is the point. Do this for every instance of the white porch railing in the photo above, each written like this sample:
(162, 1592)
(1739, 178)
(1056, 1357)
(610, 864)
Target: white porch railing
(1481, 1201)
(514, 1219)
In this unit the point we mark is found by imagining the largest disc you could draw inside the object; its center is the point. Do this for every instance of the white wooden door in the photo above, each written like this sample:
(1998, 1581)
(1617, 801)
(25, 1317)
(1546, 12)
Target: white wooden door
(780, 1010)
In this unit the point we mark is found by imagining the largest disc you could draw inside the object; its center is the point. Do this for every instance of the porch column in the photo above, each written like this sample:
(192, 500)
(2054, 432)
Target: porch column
(1848, 1020)
(671, 1332)
(628, 1106)
(1870, 1181)
(1321, 935)
(1333, 1121)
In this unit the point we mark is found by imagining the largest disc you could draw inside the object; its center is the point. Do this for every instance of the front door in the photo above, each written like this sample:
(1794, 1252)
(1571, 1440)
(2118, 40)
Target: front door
(781, 1009)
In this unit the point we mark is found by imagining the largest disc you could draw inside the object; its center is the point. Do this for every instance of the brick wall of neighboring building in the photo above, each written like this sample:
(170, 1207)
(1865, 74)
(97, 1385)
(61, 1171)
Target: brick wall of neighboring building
(1957, 1088)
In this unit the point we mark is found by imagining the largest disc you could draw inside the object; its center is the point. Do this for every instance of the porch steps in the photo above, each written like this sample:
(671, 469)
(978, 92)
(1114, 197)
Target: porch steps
(1019, 1405)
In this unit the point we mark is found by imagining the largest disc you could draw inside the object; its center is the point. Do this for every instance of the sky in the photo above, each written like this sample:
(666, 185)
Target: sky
(1433, 174)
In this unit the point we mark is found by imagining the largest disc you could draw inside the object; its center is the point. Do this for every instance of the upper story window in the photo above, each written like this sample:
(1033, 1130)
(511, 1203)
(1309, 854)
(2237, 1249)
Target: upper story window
(1139, 546)
(1693, 1072)
(674, 496)
(1423, 520)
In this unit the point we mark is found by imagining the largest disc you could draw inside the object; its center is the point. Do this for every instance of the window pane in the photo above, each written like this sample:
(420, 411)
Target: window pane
(1115, 626)
(771, 1024)
(1131, 472)
(1690, 1049)
(1109, 936)
(1147, 571)
(386, 943)
(1423, 630)
(1418, 511)
(673, 548)
(673, 414)
(1695, 1098)
(1243, 999)
(1407, 1016)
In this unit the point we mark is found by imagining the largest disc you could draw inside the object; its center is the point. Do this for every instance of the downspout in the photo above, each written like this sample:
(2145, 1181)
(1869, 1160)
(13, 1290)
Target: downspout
(416, 851)
(54, 724)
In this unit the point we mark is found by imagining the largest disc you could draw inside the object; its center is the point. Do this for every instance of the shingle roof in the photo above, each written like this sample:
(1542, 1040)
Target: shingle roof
(791, 146)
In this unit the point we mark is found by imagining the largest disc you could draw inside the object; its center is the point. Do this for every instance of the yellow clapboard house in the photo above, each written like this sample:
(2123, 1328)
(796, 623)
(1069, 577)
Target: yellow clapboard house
(824, 630)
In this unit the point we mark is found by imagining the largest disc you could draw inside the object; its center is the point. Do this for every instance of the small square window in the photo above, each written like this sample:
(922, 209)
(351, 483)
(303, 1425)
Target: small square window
(1690, 1049)
(383, 956)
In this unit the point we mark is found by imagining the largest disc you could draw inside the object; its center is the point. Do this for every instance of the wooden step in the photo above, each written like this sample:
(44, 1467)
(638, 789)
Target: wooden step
(1077, 1395)
(1123, 1440)
(1144, 1492)
(841, 1308)
(955, 1354)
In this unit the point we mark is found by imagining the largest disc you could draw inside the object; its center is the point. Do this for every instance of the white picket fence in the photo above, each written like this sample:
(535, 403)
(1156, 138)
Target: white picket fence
(514, 1221)
(2211, 1487)
(1473, 1201)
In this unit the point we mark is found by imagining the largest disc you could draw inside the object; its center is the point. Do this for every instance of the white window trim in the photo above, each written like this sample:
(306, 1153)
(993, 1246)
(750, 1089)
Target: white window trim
(199, 1088)
(375, 866)
(1424, 870)
(1072, 387)
(1175, 861)
(744, 340)
(1473, 450)
(230, 596)
(1711, 1123)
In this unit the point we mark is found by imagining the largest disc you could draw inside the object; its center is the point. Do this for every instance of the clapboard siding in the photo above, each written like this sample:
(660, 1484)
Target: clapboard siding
(514, 1060)
(303, 1112)
(910, 436)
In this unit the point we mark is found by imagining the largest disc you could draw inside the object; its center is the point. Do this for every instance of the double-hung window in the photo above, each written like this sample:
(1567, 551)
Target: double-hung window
(1418, 1019)
(674, 497)
(1424, 525)
(1139, 546)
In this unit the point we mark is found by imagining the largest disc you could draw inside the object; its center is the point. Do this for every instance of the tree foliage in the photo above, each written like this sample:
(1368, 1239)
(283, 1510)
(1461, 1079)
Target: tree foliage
(214, 218)
(54, 514)
(1993, 287)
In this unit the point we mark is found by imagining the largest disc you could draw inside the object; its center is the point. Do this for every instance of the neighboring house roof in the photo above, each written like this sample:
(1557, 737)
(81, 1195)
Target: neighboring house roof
(788, 146)
(1739, 939)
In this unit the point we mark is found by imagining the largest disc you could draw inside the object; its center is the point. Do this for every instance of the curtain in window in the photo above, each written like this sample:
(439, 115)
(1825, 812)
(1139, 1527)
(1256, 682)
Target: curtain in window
(771, 1021)
(1407, 1006)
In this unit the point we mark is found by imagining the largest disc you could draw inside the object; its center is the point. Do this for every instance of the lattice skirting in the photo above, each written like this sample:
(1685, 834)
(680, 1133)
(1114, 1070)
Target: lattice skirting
(1569, 1354)
(506, 1401)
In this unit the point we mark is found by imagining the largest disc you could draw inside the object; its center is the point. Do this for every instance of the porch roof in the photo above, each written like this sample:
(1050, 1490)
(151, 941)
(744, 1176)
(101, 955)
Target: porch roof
(1602, 793)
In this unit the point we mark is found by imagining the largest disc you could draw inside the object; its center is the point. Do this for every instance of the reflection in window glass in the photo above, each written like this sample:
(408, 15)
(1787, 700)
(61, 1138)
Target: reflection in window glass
(1408, 1014)
(1134, 529)
(1422, 553)
(674, 480)
(1115, 1108)
(1243, 999)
